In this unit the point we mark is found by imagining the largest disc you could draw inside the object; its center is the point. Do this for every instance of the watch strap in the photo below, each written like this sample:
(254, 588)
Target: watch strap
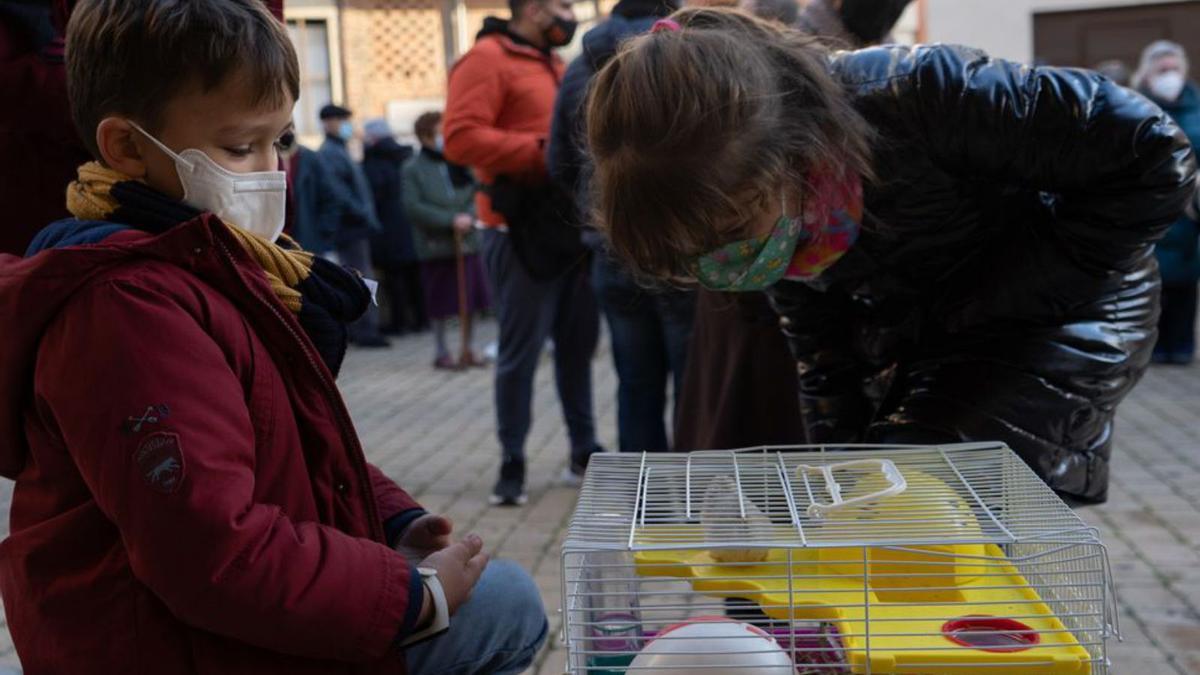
(441, 618)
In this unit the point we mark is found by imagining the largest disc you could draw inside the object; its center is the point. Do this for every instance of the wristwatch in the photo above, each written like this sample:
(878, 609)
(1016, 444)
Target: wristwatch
(441, 616)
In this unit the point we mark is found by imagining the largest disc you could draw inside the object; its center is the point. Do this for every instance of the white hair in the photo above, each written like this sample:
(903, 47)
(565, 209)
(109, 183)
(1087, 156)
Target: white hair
(1155, 51)
(377, 129)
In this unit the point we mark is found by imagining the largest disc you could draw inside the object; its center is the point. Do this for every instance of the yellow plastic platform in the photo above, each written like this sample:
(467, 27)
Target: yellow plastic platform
(904, 595)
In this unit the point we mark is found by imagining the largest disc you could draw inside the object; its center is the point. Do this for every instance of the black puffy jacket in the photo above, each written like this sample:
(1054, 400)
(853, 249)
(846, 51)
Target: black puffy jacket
(1004, 286)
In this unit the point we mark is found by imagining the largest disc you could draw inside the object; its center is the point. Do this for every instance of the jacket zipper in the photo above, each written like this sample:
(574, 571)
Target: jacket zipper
(358, 457)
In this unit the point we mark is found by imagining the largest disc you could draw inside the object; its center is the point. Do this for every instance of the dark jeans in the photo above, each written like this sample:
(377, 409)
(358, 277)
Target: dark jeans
(1177, 324)
(357, 255)
(650, 335)
(529, 312)
(405, 299)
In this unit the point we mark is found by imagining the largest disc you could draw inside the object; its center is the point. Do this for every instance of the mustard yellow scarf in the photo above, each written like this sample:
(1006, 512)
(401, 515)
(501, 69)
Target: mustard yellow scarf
(324, 296)
(90, 197)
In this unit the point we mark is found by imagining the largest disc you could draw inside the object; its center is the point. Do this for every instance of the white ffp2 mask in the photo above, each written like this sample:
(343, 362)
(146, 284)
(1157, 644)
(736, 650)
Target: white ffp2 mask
(255, 202)
(1167, 86)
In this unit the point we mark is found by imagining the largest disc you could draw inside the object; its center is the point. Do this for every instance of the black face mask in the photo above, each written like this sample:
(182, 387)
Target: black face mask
(871, 20)
(561, 32)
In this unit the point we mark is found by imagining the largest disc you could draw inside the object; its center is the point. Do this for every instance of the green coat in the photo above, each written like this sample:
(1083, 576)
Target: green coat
(432, 201)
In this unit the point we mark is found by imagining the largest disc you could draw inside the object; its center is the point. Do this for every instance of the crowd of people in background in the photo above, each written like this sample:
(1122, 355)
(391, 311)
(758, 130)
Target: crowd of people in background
(433, 223)
(404, 217)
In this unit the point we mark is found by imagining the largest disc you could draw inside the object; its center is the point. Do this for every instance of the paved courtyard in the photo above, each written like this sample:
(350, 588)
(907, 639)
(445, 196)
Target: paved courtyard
(434, 432)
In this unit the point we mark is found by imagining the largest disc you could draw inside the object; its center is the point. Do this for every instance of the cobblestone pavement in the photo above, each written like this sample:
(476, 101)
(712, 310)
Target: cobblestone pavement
(433, 431)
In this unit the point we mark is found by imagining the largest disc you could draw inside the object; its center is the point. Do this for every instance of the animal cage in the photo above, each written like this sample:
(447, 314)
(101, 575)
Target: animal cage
(943, 560)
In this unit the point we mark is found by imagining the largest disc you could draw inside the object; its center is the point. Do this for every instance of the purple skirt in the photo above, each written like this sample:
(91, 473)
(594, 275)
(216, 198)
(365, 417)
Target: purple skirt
(439, 278)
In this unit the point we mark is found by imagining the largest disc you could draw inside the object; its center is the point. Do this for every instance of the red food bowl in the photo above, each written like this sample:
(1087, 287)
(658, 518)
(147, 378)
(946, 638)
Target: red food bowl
(991, 633)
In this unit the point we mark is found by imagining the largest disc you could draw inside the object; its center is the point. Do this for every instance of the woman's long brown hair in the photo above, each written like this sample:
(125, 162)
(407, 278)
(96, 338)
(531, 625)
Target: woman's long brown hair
(695, 132)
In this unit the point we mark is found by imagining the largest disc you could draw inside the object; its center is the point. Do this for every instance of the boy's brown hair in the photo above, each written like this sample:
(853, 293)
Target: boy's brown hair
(695, 132)
(130, 57)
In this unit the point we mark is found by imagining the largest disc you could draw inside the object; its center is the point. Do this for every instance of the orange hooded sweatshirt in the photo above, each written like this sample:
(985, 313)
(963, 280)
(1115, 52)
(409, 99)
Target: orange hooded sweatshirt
(498, 110)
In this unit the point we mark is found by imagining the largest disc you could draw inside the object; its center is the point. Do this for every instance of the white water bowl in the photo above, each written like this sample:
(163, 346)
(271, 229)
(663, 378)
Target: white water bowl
(713, 645)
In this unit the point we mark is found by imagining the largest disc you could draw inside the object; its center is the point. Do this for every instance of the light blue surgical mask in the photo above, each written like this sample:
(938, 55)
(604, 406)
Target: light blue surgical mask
(439, 143)
(346, 130)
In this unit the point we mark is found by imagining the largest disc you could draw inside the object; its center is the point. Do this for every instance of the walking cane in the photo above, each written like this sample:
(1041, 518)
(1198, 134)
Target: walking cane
(463, 315)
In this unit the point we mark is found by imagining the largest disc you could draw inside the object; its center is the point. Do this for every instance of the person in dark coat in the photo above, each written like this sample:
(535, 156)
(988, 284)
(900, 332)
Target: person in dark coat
(392, 247)
(359, 222)
(960, 248)
(1163, 76)
(650, 329)
(315, 201)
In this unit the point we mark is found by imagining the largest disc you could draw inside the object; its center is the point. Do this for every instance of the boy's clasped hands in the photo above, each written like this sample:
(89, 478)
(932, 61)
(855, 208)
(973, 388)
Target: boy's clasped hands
(427, 543)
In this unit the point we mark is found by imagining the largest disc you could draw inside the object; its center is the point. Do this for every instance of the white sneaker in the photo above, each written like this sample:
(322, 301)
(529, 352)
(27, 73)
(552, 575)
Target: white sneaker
(569, 478)
(498, 500)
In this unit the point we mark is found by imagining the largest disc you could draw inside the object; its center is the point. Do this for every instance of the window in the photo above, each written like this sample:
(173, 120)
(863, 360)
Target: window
(311, 38)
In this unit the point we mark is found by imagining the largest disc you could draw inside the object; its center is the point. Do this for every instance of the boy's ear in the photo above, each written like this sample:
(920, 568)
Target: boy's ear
(121, 146)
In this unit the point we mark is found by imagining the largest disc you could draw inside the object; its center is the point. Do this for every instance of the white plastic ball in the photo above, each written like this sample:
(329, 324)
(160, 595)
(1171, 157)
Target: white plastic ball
(713, 646)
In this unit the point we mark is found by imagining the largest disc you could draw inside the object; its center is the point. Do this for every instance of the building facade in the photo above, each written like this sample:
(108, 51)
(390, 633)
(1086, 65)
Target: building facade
(387, 58)
(1063, 32)
(390, 58)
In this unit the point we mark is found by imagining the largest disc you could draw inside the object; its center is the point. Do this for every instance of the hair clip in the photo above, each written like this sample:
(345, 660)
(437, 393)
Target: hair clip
(669, 25)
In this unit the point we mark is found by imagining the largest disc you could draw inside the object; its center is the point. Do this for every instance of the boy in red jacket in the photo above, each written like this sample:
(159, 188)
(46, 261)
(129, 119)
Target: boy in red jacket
(191, 496)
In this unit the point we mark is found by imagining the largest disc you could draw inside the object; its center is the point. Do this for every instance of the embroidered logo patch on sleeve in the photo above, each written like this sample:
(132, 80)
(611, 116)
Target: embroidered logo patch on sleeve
(153, 415)
(160, 459)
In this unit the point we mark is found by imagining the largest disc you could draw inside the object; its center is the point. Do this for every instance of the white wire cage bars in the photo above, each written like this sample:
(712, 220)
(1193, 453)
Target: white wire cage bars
(854, 559)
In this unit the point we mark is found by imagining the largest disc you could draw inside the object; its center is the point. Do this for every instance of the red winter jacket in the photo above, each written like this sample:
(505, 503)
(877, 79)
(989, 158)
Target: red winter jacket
(238, 531)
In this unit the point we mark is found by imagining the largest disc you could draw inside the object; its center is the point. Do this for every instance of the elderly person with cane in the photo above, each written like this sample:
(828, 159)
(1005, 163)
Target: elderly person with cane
(439, 199)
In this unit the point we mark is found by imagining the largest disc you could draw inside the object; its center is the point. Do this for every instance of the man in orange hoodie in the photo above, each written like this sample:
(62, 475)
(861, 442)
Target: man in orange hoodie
(498, 114)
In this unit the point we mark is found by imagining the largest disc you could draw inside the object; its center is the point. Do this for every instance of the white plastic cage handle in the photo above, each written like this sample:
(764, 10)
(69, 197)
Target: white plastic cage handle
(895, 479)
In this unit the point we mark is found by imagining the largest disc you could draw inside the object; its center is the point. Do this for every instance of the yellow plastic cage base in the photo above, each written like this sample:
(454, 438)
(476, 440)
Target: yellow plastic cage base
(903, 604)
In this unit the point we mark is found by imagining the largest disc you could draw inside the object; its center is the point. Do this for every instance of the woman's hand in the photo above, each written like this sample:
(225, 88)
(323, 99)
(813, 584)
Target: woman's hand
(463, 223)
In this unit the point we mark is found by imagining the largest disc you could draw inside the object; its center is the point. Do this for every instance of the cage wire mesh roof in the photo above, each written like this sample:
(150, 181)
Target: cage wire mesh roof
(818, 496)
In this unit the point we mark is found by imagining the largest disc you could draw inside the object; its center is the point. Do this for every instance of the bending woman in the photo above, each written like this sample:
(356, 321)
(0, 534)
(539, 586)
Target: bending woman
(959, 248)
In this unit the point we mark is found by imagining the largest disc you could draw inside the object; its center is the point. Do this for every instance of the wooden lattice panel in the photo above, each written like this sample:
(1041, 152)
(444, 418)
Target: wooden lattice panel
(395, 50)
(477, 11)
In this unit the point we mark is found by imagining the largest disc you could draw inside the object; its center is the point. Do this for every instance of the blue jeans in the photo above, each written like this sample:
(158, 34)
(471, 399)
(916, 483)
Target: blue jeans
(530, 311)
(650, 335)
(498, 630)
